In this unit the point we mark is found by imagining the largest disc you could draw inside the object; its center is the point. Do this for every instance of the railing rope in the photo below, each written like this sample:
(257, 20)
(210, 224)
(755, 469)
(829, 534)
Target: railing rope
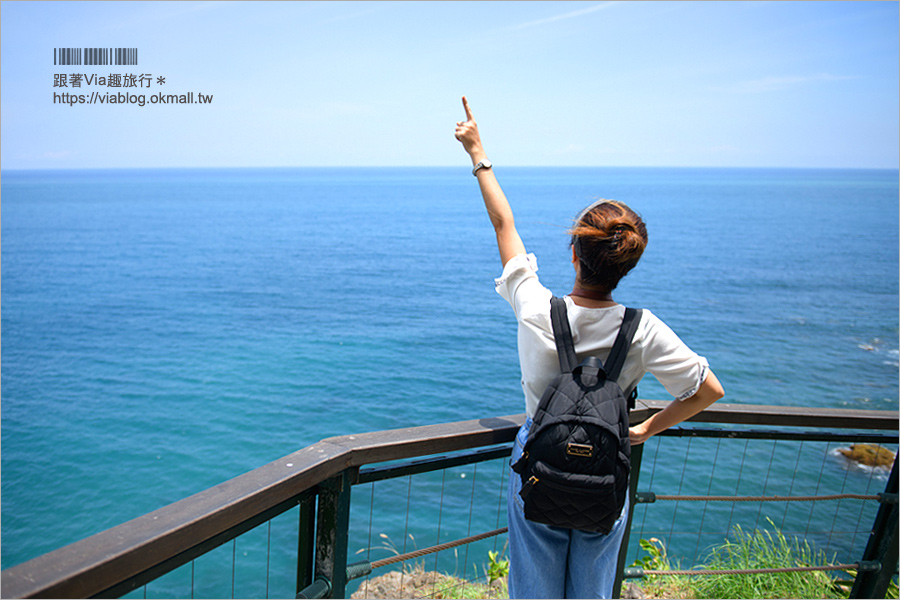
(650, 497)
(438, 548)
(862, 566)
(322, 588)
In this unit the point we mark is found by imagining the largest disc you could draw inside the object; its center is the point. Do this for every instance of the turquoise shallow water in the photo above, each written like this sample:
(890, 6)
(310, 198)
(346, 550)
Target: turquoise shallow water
(165, 330)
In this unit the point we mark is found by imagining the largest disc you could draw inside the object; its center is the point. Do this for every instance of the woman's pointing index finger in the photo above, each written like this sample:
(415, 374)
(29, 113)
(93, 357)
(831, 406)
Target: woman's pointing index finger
(469, 116)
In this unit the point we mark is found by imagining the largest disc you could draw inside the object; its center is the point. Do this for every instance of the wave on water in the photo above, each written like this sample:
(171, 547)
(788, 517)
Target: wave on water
(894, 358)
(878, 346)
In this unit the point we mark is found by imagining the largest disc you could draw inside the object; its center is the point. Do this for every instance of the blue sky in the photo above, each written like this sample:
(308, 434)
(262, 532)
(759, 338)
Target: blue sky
(758, 84)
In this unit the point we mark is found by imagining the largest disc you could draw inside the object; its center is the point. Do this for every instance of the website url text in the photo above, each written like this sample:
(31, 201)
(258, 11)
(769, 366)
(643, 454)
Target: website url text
(124, 98)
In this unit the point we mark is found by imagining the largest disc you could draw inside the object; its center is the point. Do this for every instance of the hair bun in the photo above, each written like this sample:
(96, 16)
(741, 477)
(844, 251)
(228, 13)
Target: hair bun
(609, 239)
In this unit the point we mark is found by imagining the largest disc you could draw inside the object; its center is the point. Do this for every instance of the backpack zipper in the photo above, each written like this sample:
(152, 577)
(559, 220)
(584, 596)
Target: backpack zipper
(526, 489)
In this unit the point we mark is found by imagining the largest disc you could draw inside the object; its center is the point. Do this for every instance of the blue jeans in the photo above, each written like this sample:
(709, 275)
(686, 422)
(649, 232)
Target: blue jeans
(552, 562)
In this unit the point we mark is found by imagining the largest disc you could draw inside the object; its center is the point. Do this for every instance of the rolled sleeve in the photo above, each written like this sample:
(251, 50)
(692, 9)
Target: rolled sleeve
(678, 368)
(519, 274)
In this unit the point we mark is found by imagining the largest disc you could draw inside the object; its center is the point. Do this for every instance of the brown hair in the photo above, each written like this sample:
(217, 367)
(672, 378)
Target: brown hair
(609, 239)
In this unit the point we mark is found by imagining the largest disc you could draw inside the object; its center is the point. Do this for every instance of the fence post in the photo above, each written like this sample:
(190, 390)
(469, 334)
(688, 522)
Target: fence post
(332, 524)
(307, 540)
(637, 453)
(882, 547)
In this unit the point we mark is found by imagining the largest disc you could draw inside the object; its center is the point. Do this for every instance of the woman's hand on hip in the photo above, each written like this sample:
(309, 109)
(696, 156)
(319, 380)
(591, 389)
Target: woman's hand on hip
(638, 434)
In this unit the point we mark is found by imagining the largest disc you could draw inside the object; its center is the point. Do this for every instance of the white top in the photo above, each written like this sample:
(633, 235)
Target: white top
(655, 348)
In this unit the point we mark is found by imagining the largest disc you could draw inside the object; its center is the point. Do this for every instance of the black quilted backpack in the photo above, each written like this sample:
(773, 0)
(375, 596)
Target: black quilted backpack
(577, 457)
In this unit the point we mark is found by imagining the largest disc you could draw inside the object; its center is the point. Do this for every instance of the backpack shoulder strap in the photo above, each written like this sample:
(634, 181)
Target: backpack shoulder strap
(562, 333)
(616, 359)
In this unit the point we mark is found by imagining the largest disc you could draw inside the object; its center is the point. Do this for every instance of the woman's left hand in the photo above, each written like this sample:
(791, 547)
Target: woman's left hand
(678, 411)
(638, 434)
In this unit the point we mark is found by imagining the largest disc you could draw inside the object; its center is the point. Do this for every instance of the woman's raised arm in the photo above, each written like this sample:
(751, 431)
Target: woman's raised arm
(508, 240)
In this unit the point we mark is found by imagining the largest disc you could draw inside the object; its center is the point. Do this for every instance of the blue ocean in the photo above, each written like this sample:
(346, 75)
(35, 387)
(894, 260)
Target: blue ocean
(166, 330)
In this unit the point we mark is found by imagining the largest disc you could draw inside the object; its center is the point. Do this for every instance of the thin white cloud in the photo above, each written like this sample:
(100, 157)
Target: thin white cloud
(774, 84)
(568, 15)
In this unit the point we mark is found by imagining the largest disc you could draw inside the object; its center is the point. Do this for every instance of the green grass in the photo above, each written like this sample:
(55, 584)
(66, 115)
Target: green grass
(760, 549)
(496, 573)
(416, 582)
(451, 587)
(660, 586)
(765, 550)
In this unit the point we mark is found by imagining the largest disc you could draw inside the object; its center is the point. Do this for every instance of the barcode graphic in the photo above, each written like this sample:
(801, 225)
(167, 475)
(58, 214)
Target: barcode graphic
(95, 56)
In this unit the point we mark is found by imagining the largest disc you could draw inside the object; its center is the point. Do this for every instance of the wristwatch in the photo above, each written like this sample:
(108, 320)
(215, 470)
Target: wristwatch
(485, 164)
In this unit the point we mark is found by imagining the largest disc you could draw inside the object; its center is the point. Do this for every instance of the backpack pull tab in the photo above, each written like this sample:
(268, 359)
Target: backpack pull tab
(526, 489)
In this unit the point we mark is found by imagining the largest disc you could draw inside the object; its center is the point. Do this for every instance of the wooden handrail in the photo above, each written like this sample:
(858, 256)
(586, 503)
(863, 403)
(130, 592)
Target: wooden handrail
(781, 416)
(90, 566)
(93, 565)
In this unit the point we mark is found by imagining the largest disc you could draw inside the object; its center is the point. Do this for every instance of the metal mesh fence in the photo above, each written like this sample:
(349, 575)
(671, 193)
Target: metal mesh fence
(404, 514)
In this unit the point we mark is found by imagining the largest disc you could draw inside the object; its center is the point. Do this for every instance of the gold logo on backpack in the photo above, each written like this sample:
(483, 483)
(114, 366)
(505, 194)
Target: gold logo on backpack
(585, 450)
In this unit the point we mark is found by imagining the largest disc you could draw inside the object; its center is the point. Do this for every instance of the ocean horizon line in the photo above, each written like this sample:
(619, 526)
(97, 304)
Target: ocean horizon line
(427, 167)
